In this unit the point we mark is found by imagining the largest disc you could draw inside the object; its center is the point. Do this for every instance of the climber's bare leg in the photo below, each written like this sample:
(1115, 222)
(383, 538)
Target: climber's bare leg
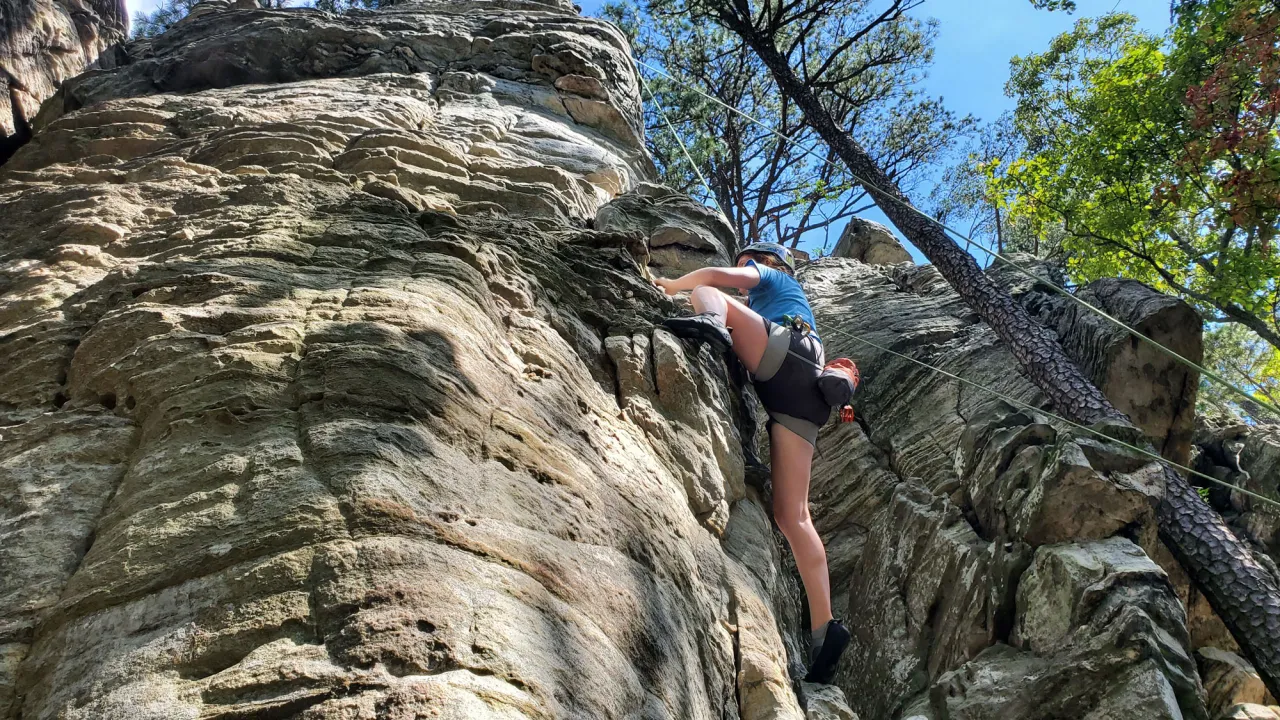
(791, 457)
(745, 325)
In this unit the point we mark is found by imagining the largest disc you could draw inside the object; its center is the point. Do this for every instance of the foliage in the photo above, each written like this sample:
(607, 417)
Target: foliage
(1242, 357)
(1065, 5)
(1159, 156)
(151, 24)
(147, 25)
(968, 199)
(868, 59)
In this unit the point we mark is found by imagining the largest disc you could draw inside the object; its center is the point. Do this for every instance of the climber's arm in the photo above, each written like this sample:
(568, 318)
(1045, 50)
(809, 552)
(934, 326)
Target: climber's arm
(742, 278)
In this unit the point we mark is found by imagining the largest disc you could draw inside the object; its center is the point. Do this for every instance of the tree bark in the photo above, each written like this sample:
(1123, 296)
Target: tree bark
(1242, 592)
(1000, 233)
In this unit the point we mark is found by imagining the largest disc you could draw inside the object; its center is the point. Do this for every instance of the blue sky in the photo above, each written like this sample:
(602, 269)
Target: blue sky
(975, 42)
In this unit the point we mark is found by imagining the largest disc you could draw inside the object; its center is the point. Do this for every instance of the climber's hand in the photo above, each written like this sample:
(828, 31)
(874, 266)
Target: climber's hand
(670, 287)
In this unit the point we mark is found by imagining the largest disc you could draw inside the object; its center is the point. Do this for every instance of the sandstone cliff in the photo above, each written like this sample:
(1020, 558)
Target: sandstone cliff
(42, 44)
(332, 390)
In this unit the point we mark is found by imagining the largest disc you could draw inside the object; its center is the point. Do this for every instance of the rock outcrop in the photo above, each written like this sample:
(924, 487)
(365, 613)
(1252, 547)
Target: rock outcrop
(1247, 457)
(998, 565)
(1156, 390)
(321, 397)
(332, 389)
(870, 242)
(43, 43)
(682, 235)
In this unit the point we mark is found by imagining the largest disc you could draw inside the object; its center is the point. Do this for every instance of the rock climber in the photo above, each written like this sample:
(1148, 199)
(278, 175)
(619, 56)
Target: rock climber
(775, 337)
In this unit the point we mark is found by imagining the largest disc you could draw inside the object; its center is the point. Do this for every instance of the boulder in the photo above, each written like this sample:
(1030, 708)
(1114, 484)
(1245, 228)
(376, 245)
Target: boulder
(1156, 391)
(870, 242)
(825, 702)
(1251, 711)
(1229, 680)
(682, 235)
(1105, 636)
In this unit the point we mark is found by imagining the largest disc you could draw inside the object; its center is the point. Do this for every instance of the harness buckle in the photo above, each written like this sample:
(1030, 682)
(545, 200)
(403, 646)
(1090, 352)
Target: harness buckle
(797, 323)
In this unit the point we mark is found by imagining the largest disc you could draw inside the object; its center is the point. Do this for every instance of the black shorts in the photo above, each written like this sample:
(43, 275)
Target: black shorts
(787, 381)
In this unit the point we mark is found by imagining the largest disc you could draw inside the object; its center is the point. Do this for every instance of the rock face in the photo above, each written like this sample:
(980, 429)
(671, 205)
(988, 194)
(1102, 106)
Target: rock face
(42, 44)
(332, 390)
(1229, 680)
(1248, 457)
(1155, 390)
(322, 399)
(682, 235)
(997, 565)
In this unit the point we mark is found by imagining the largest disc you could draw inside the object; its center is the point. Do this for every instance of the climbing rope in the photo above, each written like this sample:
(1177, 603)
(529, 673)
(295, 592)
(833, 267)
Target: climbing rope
(969, 242)
(1028, 406)
(663, 112)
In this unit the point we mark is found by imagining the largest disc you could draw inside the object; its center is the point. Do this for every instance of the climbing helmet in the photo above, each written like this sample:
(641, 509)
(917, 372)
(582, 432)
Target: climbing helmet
(768, 248)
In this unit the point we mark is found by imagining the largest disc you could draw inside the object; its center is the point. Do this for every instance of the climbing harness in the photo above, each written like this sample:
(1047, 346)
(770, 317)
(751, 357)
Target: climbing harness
(838, 379)
(969, 242)
(797, 323)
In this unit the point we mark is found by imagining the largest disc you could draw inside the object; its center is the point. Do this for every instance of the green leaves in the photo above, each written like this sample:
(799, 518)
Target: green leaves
(1157, 156)
(1051, 5)
(1243, 358)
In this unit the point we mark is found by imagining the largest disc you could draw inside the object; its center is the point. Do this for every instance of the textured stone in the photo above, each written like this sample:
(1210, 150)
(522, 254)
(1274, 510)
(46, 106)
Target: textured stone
(1106, 636)
(870, 242)
(1245, 456)
(1025, 481)
(332, 389)
(1229, 680)
(1252, 712)
(323, 400)
(933, 520)
(682, 235)
(43, 43)
(1156, 391)
(826, 702)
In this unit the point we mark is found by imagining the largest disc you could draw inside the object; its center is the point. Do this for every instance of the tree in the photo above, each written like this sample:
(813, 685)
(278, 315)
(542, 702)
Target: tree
(771, 189)
(1234, 352)
(146, 25)
(1243, 593)
(1159, 156)
(968, 198)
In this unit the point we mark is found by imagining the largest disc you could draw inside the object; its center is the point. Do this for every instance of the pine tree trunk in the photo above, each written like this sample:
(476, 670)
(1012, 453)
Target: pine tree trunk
(1242, 592)
(999, 232)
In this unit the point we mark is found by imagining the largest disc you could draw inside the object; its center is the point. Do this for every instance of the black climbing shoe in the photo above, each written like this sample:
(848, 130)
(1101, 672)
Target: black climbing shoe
(758, 476)
(703, 327)
(833, 646)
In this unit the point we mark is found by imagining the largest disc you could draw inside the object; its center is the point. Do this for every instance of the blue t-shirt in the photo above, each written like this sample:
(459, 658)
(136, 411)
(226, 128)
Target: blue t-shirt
(779, 294)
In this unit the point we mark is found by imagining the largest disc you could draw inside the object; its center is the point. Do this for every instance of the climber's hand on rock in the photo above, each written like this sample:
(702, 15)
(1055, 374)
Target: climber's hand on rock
(670, 287)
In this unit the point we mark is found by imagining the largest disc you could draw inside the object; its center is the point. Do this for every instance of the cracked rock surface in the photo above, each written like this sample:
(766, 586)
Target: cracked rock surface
(332, 389)
(322, 399)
